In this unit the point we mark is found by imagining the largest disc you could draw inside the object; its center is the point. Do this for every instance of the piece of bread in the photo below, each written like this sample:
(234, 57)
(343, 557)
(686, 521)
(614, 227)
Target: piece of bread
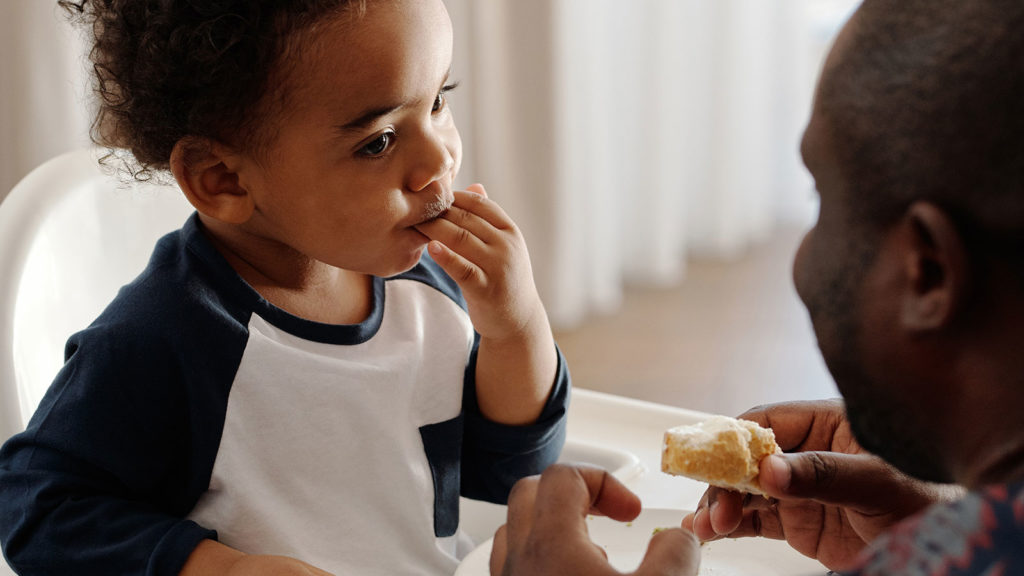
(721, 451)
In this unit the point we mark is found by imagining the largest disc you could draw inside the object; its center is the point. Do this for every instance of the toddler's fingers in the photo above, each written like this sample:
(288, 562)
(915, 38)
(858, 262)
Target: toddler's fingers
(460, 231)
(486, 209)
(465, 273)
(477, 188)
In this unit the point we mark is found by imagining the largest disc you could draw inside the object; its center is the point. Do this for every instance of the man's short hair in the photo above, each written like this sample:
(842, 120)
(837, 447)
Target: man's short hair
(926, 102)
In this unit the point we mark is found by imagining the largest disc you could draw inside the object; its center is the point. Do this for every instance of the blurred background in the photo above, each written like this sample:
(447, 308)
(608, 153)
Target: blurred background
(648, 150)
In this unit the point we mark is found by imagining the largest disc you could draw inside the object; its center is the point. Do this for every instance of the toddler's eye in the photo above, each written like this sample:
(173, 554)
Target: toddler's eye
(440, 100)
(379, 145)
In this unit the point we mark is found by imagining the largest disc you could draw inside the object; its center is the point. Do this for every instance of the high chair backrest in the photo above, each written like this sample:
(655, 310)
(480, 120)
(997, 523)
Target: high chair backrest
(71, 233)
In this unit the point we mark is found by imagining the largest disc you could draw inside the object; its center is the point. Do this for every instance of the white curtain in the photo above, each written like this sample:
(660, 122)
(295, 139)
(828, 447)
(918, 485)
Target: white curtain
(623, 137)
(44, 108)
(626, 136)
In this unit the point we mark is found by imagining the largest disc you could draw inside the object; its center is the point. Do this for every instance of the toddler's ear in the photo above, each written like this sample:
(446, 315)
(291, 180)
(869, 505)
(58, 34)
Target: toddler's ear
(206, 172)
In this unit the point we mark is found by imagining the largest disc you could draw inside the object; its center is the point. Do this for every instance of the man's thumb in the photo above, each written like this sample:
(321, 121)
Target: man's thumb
(673, 552)
(828, 477)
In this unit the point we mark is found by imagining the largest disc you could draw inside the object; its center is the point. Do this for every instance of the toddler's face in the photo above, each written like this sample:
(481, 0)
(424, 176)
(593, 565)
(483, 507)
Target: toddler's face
(367, 147)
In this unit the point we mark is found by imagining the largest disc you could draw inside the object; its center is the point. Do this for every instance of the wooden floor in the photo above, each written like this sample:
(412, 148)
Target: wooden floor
(733, 335)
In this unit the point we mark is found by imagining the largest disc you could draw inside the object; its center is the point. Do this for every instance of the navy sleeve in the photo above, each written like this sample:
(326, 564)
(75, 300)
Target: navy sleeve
(495, 456)
(98, 482)
(123, 443)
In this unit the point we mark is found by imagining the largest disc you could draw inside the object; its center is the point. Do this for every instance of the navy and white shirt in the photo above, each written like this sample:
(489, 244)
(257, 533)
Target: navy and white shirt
(192, 408)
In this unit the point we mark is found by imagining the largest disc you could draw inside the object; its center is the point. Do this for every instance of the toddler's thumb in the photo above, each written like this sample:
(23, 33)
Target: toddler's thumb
(673, 552)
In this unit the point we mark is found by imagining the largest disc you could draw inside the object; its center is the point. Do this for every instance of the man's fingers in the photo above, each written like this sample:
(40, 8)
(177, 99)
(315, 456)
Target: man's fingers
(860, 481)
(547, 515)
(726, 510)
(806, 426)
(499, 550)
(596, 490)
(672, 552)
(718, 513)
(759, 523)
(612, 498)
(521, 503)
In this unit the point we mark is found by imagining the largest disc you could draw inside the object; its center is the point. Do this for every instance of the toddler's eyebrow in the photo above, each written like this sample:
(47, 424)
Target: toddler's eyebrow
(369, 116)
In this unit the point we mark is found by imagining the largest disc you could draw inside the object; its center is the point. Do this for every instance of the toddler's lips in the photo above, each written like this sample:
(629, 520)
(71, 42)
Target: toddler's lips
(435, 209)
(428, 218)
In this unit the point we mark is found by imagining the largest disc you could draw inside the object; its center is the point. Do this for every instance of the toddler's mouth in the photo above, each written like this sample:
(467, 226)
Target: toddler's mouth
(436, 208)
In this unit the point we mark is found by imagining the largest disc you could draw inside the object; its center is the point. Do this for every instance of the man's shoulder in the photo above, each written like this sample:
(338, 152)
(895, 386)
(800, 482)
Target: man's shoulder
(982, 533)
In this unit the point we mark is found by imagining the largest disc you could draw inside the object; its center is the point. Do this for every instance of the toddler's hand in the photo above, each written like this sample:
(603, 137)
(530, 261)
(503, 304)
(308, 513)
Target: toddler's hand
(482, 249)
(211, 558)
(273, 566)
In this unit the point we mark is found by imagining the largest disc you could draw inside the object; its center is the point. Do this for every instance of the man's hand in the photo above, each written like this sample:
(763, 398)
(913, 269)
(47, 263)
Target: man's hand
(827, 496)
(546, 532)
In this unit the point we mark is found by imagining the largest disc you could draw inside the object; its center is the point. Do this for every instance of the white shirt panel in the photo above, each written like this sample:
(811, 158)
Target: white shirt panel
(321, 456)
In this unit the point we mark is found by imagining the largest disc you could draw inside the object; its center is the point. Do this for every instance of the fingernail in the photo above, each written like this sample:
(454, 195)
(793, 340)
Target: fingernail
(434, 247)
(780, 472)
(698, 517)
(712, 512)
(688, 520)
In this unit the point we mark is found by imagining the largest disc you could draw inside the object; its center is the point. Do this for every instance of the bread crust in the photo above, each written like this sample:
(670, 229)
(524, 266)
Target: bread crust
(722, 451)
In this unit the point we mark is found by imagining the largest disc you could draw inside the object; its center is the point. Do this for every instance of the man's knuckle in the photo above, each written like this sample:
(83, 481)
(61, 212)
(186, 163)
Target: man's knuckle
(824, 469)
(757, 523)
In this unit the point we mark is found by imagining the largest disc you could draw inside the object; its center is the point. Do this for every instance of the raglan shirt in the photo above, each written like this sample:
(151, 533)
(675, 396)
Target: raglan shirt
(192, 408)
(981, 534)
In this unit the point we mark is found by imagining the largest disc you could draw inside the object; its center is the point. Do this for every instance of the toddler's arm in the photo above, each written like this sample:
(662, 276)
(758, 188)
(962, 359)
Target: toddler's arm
(103, 478)
(212, 558)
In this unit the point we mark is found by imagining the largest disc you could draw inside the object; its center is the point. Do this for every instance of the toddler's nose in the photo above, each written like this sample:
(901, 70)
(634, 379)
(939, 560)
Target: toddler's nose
(436, 165)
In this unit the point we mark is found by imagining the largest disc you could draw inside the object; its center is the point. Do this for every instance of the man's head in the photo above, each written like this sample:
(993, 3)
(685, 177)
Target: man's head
(916, 143)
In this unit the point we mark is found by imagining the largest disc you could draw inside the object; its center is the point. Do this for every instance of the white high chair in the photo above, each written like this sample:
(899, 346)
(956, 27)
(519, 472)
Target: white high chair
(70, 235)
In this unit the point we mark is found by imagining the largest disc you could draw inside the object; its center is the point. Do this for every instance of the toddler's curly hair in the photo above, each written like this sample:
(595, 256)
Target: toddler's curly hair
(170, 69)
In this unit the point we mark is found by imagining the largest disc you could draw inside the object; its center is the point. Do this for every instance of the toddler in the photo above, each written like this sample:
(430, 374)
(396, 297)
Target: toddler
(332, 349)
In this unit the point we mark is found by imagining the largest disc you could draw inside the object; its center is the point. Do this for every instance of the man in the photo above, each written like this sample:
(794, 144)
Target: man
(914, 280)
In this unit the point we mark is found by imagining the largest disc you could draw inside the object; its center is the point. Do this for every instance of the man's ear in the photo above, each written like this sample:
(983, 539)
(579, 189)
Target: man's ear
(207, 173)
(935, 266)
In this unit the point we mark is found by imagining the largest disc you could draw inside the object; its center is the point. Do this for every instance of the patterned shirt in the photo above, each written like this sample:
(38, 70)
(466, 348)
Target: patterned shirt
(979, 535)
